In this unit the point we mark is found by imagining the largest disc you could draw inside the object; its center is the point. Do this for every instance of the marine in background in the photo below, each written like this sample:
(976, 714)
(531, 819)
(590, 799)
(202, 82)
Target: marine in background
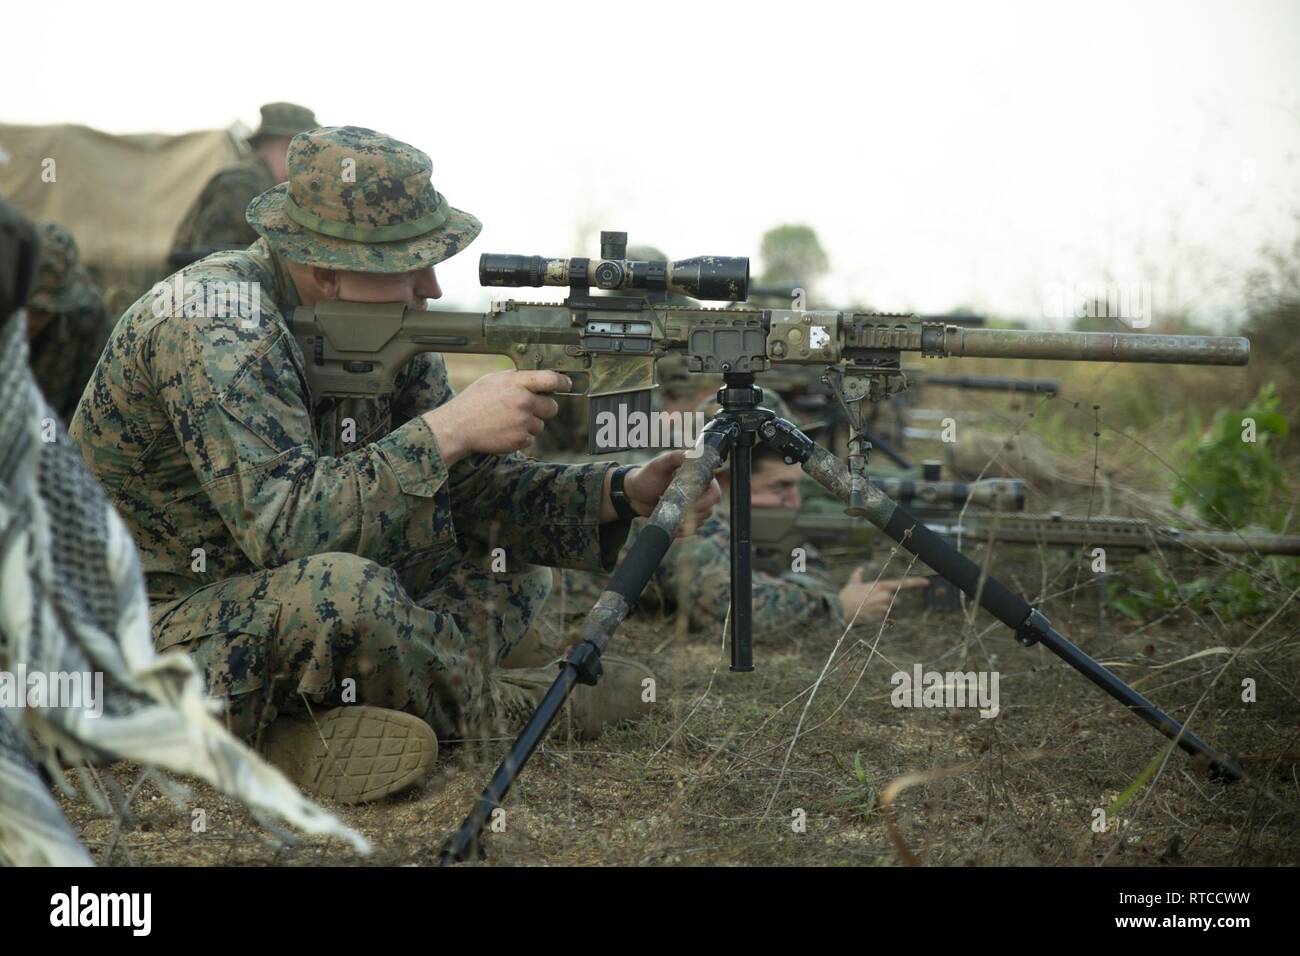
(792, 593)
(67, 324)
(216, 219)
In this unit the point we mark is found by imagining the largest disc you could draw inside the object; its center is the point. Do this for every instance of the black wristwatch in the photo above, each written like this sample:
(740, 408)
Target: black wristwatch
(617, 496)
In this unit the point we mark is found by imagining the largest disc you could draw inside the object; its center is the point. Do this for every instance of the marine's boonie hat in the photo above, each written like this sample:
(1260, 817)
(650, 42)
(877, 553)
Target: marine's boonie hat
(283, 119)
(359, 200)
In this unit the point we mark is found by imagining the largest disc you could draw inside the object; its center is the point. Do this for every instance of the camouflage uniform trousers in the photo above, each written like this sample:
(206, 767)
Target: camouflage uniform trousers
(422, 640)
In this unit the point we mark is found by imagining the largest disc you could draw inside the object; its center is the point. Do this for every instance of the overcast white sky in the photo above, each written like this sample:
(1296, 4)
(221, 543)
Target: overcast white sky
(946, 153)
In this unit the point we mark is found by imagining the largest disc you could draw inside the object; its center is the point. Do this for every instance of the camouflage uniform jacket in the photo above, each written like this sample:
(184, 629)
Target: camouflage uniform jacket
(202, 432)
(64, 354)
(216, 219)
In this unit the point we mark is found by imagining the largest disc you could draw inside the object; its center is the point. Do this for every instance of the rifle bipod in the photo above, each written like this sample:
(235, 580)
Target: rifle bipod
(733, 433)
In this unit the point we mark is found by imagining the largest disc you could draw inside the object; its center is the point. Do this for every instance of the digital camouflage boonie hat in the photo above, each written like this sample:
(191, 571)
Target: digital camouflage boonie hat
(283, 119)
(362, 201)
(61, 285)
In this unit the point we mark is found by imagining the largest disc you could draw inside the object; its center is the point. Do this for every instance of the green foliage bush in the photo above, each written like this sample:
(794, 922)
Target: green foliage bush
(1232, 596)
(1233, 482)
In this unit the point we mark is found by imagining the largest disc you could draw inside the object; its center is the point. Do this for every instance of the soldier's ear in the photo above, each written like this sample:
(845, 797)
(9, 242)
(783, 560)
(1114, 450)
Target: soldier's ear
(327, 282)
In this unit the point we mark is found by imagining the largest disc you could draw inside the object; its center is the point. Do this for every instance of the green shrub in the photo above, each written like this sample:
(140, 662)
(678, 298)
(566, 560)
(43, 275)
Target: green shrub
(1233, 482)
(1232, 595)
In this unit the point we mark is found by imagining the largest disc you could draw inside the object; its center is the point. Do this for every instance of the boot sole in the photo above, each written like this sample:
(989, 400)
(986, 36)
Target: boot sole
(354, 754)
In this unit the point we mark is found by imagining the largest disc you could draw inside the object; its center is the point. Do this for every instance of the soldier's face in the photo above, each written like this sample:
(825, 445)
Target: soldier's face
(775, 484)
(411, 287)
(277, 158)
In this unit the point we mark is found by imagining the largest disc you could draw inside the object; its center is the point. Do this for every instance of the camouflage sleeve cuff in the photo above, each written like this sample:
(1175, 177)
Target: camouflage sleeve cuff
(589, 544)
(412, 452)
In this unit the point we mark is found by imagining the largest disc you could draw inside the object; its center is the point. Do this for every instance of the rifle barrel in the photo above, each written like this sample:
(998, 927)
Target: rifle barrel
(1097, 346)
(775, 525)
(1057, 530)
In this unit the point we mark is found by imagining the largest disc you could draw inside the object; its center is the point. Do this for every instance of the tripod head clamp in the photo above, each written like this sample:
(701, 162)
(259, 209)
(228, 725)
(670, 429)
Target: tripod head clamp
(740, 400)
(742, 411)
(795, 447)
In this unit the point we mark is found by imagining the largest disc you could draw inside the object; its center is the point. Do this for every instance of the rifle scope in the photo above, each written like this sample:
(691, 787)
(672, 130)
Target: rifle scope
(710, 278)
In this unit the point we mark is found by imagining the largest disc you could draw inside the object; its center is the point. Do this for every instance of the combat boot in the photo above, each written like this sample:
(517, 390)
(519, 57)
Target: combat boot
(621, 695)
(543, 643)
(352, 754)
(531, 651)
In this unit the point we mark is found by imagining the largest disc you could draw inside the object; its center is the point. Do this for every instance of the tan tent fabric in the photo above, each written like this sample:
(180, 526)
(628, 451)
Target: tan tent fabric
(122, 196)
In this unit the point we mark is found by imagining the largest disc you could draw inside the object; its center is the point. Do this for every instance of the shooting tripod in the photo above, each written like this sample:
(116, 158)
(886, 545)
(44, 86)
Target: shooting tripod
(731, 436)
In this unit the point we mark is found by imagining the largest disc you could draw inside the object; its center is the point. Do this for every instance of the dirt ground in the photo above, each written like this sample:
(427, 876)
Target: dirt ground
(719, 776)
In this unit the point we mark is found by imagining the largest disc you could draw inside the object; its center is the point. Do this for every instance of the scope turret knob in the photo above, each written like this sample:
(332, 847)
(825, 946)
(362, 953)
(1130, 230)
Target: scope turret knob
(609, 275)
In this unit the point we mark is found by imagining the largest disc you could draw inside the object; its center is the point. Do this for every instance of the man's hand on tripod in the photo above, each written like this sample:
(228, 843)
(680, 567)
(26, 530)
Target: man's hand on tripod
(644, 486)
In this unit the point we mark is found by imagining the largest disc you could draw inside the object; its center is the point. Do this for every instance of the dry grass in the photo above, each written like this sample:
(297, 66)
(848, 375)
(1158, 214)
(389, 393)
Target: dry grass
(707, 781)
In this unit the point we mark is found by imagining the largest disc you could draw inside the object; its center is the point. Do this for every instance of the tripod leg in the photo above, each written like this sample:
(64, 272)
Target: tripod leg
(583, 663)
(1031, 627)
(742, 579)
